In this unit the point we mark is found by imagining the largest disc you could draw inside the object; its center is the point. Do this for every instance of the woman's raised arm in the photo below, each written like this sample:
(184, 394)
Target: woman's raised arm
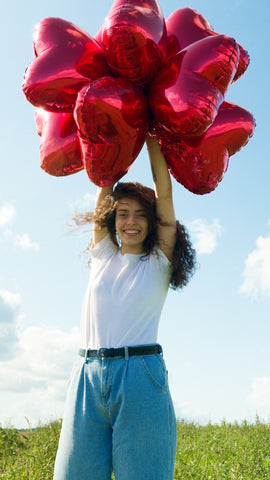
(98, 232)
(164, 198)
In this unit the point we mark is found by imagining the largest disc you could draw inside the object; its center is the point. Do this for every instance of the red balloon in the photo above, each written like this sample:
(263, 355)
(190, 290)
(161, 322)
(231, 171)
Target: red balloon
(186, 94)
(199, 163)
(186, 26)
(135, 40)
(98, 37)
(66, 59)
(112, 118)
(60, 152)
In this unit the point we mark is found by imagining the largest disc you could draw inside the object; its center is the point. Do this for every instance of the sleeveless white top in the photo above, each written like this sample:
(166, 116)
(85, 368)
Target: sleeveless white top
(124, 298)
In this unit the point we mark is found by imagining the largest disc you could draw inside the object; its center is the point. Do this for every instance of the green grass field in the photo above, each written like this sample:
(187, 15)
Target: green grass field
(210, 452)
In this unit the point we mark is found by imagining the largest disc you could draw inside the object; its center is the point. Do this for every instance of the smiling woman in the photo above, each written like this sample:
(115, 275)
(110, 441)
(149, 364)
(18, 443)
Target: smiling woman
(129, 205)
(182, 257)
(119, 414)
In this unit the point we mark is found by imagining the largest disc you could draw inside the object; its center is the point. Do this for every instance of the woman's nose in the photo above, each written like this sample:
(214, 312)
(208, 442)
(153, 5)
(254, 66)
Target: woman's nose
(130, 220)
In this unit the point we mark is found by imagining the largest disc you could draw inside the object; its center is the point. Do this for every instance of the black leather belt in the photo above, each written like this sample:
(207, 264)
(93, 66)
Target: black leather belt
(121, 352)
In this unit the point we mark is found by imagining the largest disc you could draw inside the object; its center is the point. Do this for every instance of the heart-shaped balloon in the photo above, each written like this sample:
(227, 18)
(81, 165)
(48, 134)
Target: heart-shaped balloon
(98, 37)
(186, 94)
(199, 163)
(186, 26)
(134, 39)
(66, 59)
(60, 152)
(112, 118)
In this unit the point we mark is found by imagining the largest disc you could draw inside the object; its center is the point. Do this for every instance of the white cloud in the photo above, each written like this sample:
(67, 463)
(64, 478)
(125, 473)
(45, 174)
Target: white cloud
(7, 213)
(9, 303)
(184, 409)
(257, 269)
(10, 298)
(8, 233)
(85, 203)
(205, 235)
(33, 383)
(260, 395)
(24, 242)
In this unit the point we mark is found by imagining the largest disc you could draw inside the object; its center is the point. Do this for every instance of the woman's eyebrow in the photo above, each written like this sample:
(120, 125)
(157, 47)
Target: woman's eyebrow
(122, 209)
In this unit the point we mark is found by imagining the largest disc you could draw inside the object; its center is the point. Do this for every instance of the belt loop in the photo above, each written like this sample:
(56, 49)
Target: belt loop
(126, 353)
(85, 357)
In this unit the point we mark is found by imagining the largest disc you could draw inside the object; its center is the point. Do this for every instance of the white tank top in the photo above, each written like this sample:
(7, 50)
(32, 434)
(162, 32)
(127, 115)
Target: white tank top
(124, 298)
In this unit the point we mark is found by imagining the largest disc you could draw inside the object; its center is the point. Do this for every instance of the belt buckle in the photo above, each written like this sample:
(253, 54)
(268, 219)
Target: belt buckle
(102, 352)
(106, 352)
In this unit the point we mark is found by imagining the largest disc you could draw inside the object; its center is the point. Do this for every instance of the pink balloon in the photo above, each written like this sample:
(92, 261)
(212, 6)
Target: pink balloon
(186, 26)
(135, 40)
(186, 94)
(112, 118)
(199, 163)
(60, 152)
(66, 59)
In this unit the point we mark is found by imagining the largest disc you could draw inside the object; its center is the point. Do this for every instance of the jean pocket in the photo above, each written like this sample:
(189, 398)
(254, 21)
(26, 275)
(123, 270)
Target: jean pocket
(155, 368)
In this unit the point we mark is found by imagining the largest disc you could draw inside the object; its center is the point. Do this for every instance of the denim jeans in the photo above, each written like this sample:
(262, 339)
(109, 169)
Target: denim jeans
(118, 417)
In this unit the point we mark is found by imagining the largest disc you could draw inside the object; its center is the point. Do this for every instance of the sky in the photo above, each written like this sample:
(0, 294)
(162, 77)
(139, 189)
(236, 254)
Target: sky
(215, 332)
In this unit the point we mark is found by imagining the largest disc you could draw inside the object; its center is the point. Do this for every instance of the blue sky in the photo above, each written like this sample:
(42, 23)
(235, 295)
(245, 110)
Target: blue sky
(215, 332)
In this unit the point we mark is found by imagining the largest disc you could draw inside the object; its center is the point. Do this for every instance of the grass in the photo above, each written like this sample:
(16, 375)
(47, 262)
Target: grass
(29, 454)
(211, 452)
(226, 451)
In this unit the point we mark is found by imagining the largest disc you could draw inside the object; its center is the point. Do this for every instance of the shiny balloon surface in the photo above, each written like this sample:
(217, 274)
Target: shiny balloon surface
(186, 94)
(60, 152)
(199, 163)
(186, 26)
(135, 40)
(66, 59)
(112, 119)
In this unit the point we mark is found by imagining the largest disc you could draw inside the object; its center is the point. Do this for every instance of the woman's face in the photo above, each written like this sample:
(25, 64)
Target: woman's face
(131, 225)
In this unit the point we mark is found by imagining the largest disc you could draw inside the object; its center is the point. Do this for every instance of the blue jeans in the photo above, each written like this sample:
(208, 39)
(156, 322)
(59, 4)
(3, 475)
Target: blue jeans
(118, 417)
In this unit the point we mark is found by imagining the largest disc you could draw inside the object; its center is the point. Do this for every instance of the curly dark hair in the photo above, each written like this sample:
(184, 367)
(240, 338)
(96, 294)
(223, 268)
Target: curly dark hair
(184, 256)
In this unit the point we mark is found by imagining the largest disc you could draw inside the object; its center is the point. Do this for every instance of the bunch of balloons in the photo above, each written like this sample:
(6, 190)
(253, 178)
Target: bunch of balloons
(98, 97)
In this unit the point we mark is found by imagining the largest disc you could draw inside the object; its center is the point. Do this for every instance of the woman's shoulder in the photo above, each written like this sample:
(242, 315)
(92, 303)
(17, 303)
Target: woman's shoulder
(104, 248)
(158, 258)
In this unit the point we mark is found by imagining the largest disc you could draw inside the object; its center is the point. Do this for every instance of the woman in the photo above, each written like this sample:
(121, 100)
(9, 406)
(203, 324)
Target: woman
(119, 414)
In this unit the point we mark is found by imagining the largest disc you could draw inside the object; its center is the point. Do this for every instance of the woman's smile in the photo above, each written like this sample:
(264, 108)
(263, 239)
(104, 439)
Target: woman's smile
(131, 232)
